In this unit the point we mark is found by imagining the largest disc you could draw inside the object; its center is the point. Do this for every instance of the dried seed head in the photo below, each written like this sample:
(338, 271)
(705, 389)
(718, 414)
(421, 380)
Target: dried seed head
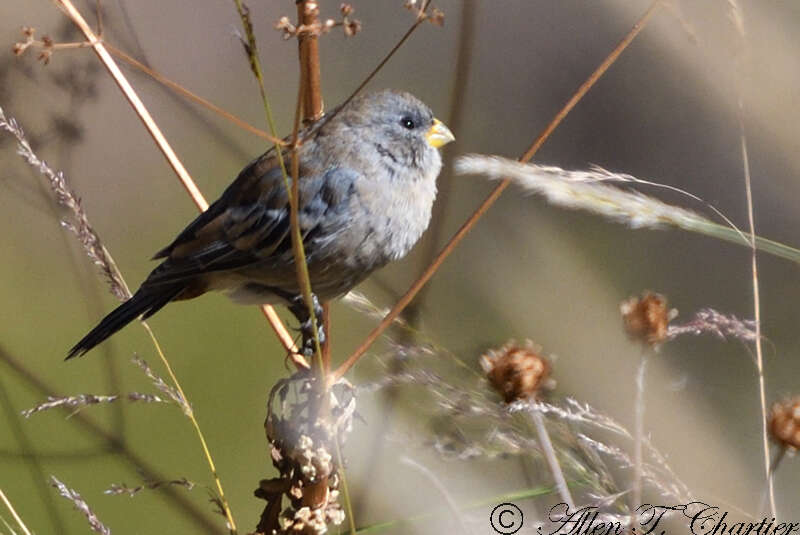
(647, 317)
(517, 371)
(346, 10)
(784, 423)
(45, 55)
(437, 17)
(352, 27)
(285, 25)
(311, 9)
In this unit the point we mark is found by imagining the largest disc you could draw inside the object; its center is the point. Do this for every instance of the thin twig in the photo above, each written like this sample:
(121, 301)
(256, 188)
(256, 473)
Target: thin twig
(494, 195)
(241, 123)
(135, 101)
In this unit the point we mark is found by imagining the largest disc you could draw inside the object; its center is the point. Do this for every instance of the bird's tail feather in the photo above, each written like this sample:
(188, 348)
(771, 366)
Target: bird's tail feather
(144, 303)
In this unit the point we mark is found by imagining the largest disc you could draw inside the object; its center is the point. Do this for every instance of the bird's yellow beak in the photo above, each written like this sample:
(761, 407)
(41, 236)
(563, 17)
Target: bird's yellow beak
(439, 135)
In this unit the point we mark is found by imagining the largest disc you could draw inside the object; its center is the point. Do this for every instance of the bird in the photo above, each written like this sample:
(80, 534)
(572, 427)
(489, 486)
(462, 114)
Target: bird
(367, 183)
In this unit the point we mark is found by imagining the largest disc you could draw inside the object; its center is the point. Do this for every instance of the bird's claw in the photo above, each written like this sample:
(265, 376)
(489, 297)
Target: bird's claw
(299, 308)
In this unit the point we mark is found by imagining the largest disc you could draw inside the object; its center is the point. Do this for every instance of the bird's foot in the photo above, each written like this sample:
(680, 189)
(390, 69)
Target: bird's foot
(298, 307)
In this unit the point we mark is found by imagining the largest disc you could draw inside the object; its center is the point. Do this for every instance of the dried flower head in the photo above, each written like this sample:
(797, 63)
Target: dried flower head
(19, 48)
(285, 26)
(436, 17)
(784, 422)
(647, 317)
(517, 371)
(351, 27)
(419, 9)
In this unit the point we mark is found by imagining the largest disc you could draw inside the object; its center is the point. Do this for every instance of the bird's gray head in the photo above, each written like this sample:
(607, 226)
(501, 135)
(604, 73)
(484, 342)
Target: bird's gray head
(398, 126)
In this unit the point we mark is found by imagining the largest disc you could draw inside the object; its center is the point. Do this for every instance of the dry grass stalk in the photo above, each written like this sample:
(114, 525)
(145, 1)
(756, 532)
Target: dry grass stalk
(14, 515)
(66, 198)
(708, 320)
(737, 18)
(74, 402)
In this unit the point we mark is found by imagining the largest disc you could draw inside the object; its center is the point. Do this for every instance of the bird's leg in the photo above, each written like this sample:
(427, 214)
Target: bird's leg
(298, 307)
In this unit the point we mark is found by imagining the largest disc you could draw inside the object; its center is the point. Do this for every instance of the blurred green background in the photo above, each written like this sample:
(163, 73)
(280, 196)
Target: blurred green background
(666, 112)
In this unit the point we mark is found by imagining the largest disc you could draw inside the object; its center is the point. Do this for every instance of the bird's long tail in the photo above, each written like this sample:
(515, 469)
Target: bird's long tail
(145, 302)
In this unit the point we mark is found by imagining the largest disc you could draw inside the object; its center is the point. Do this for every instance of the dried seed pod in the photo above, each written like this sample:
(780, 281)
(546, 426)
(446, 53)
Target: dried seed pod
(784, 422)
(647, 317)
(517, 371)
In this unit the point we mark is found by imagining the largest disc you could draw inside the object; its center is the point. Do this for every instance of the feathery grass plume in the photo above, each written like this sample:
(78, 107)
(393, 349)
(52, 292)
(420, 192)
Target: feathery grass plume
(658, 473)
(708, 320)
(80, 505)
(465, 420)
(584, 190)
(75, 402)
(361, 303)
(161, 385)
(66, 198)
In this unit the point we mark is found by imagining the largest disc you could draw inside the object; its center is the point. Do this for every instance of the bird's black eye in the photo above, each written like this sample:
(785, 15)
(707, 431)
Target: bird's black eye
(408, 123)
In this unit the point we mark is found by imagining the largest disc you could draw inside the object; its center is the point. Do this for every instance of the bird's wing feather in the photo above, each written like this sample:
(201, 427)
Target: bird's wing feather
(249, 223)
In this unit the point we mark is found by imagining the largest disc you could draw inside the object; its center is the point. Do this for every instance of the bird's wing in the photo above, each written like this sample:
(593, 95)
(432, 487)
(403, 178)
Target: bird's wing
(249, 223)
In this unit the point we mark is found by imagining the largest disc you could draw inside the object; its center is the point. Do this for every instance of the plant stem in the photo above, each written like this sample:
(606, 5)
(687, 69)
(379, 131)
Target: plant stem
(14, 514)
(638, 432)
(550, 454)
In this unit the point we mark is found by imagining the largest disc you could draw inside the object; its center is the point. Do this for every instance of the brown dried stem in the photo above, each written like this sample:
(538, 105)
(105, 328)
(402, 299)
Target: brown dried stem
(308, 47)
(495, 194)
(155, 75)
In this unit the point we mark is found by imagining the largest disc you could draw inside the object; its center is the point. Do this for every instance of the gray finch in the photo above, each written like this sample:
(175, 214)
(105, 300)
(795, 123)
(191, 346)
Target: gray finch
(367, 183)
